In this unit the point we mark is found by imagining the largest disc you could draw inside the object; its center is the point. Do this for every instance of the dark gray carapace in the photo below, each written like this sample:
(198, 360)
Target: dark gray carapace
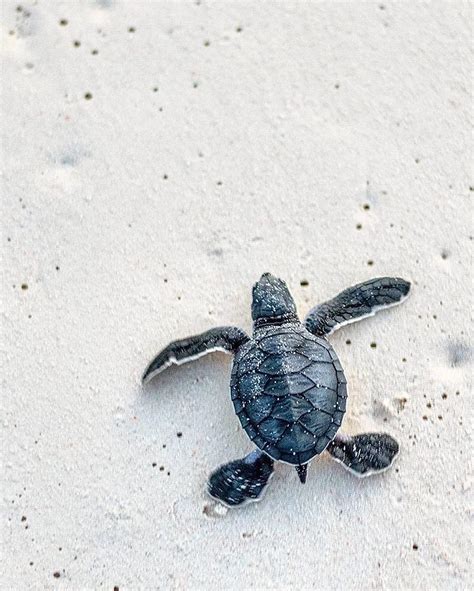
(287, 385)
(289, 392)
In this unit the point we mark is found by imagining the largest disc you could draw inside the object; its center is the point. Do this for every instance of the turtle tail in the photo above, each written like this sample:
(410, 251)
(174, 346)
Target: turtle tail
(302, 470)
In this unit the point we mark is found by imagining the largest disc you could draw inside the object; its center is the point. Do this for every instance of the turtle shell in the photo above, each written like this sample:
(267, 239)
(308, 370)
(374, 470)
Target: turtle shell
(289, 392)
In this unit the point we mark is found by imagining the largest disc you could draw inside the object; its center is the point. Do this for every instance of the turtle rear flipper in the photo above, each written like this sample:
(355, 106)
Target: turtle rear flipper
(356, 303)
(364, 454)
(222, 338)
(241, 481)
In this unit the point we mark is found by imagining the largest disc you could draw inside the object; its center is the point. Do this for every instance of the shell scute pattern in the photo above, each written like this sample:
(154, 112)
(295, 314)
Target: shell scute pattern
(280, 343)
(251, 384)
(251, 359)
(272, 429)
(291, 408)
(341, 403)
(296, 433)
(251, 431)
(289, 392)
(260, 407)
(312, 423)
(322, 375)
(288, 362)
(291, 384)
(315, 354)
(323, 399)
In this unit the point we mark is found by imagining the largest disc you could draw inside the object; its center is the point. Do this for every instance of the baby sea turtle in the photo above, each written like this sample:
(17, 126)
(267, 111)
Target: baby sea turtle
(287, 385)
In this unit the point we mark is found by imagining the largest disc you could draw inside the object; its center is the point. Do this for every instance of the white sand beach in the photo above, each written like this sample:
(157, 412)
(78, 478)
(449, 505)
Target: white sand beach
(157, 158)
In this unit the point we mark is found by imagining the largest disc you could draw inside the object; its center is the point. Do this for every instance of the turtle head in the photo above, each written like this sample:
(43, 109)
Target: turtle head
(271, 301)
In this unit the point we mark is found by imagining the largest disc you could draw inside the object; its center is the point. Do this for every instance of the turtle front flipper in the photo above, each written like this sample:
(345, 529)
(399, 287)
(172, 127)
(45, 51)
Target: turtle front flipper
(222, 338)
(364, 454)
(355, 303)
(241, 481)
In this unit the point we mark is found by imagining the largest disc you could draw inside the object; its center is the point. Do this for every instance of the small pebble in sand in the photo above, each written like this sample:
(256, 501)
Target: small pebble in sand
(401, 402)
(215, 510)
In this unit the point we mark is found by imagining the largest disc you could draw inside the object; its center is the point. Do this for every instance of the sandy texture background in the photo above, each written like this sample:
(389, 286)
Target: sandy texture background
(157, 158)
